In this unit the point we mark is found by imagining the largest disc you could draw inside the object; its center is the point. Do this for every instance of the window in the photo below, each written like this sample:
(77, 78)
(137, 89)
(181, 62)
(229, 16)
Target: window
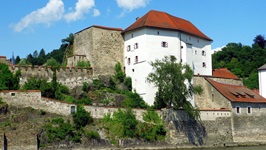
(198, 40)
(195, 52)
(128, 48)
(158, 32)
(128, 61)
(203, 53)
(238, 110)
(136, 46)
(164, 44)
(12, 94)
(249, 110)
(136, 59)
(72, 109)
(132, 35)
(204, 65)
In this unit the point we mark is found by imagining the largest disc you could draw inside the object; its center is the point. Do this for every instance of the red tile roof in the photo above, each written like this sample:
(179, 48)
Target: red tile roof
(223, 73)
(237, 93)
(102, 27)
(3, 57)
(157, 19)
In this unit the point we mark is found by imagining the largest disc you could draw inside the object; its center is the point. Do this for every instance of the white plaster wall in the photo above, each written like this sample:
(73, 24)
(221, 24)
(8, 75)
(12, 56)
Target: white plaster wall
(149, 49)
(262, 82)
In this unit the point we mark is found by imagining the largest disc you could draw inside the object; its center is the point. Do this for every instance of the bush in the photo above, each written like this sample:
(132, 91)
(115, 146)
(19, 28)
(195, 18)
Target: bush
(92, 134)
(84, 64)
(133, 100)
(84, 100)
(58, 130)
(128, 83)
(153, 128)
(81, 117)
(123, 124)
(119, 74)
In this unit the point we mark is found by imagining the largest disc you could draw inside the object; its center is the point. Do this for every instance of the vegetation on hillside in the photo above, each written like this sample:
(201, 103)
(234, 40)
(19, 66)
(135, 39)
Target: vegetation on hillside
(243, 60)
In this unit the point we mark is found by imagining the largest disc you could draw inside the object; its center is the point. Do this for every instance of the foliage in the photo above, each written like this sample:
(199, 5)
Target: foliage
(119, 74)
(90, 134)
(53, 63)
(122, 124)
(8, 80)
(128, 83)
(84, 64)
(174, 84)
(81, 117)
(133, 100)
(69, 40)
(17, 60)
(98, 83)
(260, 40)
(58, 130)
(23, 62)
(243, 61)
(84, 100)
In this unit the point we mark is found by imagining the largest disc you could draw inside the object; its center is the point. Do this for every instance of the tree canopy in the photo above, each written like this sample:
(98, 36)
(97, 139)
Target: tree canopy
(243, 61)
(174, 85)
(8, 80)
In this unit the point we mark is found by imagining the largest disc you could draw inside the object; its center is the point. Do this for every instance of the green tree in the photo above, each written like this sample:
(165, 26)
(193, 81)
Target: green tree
(69, 40)
(174, 84)
(17, 60)
(53, 63)
(81, 117)
(8, 80)
(84, 64)
(119, 74)
(260, 40)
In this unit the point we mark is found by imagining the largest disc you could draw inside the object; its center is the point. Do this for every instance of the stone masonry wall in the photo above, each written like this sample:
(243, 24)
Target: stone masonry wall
(249, 126)
(210, 98)
(70, 77)
(103, 47)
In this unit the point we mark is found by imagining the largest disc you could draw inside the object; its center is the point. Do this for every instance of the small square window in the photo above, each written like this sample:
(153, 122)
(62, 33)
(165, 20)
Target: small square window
(203, 53)
(72, 109)
(128, 48)
(204, 65)
(136, 59)
(249, 110)
(136, 46)
(238, 110)
(13, 94)
(164, 44)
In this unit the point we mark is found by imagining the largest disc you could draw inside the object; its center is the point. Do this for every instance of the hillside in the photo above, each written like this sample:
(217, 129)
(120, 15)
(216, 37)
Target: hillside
(242, 60)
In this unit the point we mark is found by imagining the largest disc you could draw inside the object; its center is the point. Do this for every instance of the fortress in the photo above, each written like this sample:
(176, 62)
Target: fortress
(230, 112)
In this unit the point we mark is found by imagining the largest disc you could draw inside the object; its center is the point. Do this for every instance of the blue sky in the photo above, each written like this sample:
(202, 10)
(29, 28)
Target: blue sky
(29, 25)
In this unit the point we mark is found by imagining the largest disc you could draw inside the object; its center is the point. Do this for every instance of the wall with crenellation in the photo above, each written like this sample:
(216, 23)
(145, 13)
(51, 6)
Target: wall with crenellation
(70, 77)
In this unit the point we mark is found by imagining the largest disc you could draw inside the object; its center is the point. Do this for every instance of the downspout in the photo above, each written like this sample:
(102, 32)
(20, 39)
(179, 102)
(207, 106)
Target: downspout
(181, 48)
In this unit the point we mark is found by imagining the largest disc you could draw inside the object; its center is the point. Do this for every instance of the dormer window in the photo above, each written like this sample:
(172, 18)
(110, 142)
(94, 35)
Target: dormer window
(128, 48)
(164, 44)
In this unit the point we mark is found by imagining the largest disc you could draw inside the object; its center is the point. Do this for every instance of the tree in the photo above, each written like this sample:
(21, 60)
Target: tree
(8, 80)
(173, 81)
(81, 118)
(53, 63)
(17, 60)
(260, 40)
(69, 40)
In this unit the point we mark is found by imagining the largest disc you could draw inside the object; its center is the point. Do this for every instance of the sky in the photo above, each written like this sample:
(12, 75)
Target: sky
(29, 25)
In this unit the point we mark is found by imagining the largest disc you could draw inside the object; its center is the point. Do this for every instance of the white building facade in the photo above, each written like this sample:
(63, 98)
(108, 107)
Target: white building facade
(262, 80)
(148, 39)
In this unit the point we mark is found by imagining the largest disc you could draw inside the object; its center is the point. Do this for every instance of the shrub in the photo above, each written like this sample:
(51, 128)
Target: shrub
(84, 100)
(133, 100)
(81, 117)
(84, 64)
(92, 134)
(85, 87)
(58, 130)
(128, 83)
(123, 124)
(119, 74)
(153, 128)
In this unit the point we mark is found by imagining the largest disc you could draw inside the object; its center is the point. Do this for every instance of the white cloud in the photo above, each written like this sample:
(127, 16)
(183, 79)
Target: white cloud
(96, 12)
(217, 49)
(82, 7)
(53, 11)
(130, 5)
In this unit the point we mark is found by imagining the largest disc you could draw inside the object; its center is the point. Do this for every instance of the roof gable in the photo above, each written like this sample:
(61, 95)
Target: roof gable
(223, 73)
(236, 93)
(157, 19)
